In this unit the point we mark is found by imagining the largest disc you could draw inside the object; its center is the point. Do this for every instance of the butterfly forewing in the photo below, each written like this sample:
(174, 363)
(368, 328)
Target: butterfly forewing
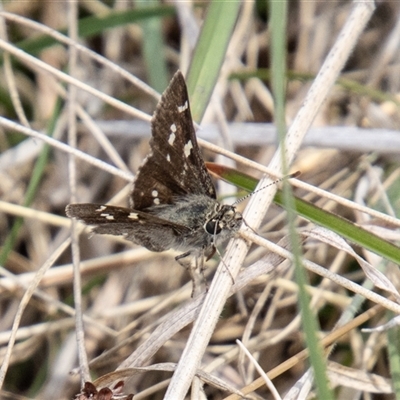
(175, 166)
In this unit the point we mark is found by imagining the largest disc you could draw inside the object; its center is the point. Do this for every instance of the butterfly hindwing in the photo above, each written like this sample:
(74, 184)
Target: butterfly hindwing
(136, 226)
(175, 166)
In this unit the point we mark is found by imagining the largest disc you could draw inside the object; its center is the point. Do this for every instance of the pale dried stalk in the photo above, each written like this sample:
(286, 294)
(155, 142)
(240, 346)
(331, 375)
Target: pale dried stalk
(72, 141)
(24, 302)
(65, 148)
(237, 249)
(91, 54)
(43, 68)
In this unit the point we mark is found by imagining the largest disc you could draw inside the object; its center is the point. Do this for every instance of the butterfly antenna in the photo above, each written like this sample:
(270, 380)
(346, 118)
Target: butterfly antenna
(294, 175)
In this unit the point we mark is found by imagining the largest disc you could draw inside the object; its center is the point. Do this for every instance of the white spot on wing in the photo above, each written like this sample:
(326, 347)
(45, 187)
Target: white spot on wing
(171, 138)
(156, 200)
(133, 215)
(173, 128)
(168, 158)
(184, 107)
(187, 148)
(107, 216)
(101, 208)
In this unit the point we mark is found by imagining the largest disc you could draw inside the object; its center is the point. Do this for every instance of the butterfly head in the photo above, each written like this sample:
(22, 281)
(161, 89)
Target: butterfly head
(225, 217)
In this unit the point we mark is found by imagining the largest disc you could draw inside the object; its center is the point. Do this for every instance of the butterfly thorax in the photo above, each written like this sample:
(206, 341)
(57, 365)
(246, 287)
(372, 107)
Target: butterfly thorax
(211, 223)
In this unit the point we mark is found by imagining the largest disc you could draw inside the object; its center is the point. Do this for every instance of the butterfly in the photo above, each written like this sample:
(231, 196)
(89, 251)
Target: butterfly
(173, 202)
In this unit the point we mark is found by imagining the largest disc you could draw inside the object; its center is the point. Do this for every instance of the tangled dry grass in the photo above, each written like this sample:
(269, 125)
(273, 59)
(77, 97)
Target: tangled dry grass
(137, 308)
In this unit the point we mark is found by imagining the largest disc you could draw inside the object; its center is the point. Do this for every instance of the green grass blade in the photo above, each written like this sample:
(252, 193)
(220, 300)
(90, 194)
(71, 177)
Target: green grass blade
(348, 84)
(210, 53)
(393, 336)
(32, 189)
(333, 222)
(278, 22)
(95, 25)
(153, 49)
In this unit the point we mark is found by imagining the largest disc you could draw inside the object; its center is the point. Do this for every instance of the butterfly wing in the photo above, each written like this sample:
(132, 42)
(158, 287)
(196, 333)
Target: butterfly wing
(136, 226)
(173, 170)
(175, 166)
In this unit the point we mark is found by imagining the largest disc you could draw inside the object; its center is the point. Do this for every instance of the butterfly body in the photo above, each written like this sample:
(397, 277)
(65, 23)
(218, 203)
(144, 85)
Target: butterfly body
(209, 221)
(173, 202)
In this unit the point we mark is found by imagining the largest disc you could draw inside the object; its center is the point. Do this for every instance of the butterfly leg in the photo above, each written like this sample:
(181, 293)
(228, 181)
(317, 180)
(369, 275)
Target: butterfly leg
(215, 250)
(183, 255)
(201, 267)
(195, 267)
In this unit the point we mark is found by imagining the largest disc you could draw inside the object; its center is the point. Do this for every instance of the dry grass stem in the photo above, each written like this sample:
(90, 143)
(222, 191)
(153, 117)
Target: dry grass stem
(75, 127)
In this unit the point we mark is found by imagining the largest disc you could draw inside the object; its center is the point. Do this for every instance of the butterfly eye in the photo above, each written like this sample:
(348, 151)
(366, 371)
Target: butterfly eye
(212, 227)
